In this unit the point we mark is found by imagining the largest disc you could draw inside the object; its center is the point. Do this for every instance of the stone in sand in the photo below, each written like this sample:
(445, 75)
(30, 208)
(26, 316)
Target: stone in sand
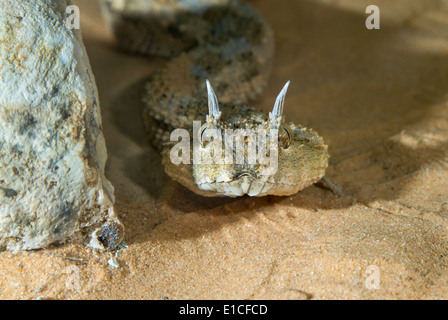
(52, 149)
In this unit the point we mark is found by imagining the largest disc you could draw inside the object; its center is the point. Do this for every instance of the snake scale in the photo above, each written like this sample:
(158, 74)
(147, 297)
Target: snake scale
(230, 45)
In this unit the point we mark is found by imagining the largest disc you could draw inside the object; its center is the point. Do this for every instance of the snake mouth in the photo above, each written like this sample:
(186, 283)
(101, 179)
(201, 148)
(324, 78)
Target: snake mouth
(244, 173)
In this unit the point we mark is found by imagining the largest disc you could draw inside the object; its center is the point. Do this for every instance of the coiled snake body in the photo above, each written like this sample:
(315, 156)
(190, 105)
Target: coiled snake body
(228, 43)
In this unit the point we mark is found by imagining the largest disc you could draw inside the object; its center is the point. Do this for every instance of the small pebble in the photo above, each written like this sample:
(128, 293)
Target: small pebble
(113, 263)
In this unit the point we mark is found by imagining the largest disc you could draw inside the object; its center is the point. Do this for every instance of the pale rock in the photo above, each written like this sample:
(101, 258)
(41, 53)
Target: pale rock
(52, 149)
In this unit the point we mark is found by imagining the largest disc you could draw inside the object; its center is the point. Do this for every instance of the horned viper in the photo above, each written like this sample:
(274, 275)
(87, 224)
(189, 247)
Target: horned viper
(221, 51)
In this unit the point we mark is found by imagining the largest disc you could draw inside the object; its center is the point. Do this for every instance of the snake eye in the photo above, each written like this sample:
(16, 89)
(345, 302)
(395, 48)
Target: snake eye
(285, 137)
(204, 134)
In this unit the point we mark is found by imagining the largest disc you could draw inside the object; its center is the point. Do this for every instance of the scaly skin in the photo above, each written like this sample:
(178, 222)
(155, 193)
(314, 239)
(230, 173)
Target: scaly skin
(229, 44)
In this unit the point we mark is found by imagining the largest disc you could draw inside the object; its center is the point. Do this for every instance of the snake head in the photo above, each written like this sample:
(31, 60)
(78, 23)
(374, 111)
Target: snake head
(266, 155)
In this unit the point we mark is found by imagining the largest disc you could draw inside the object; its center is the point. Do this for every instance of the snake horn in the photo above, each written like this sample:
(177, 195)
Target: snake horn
(279, 102)
(213, 106)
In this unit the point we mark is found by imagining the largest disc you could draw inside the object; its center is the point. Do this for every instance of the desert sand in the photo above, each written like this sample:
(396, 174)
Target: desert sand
(380, 100)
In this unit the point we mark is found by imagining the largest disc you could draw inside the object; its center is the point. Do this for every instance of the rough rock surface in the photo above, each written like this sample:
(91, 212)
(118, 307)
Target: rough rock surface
(52, 149)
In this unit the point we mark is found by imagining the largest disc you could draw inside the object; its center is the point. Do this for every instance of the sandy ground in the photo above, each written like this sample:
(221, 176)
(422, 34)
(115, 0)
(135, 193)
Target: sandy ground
(378, 97)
